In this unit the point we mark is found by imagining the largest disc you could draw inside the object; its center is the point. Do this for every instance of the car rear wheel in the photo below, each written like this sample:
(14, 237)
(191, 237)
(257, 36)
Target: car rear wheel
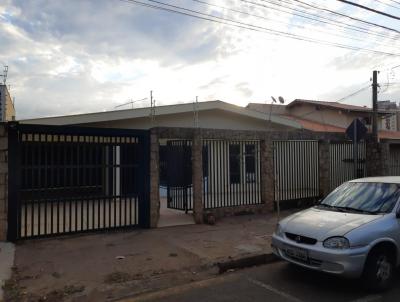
(379, 270)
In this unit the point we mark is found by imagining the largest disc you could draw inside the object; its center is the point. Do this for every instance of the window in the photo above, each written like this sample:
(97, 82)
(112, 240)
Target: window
(387, 123)
(250, 162)
(234, 163)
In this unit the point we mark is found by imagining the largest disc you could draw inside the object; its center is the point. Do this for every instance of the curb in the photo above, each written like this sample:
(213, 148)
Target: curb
(247, 262)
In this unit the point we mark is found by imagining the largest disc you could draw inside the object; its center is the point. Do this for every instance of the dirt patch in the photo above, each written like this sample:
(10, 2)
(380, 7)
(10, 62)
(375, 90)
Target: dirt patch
(121, 277)
(15, 292)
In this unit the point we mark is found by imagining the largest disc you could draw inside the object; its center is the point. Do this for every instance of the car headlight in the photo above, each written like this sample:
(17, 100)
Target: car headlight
(339, 243)
(279, 230)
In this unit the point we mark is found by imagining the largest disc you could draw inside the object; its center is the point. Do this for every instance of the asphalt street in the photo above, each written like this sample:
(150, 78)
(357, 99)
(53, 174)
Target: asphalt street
(274, 282)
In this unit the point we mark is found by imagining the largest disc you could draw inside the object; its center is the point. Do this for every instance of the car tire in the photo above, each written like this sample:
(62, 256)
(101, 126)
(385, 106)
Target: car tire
(378, 270)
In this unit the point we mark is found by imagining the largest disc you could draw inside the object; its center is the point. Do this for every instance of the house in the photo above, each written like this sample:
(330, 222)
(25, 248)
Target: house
(211, 115)
(319, 116)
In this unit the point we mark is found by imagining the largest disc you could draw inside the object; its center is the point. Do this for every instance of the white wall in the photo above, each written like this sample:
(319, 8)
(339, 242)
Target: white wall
(210, 119)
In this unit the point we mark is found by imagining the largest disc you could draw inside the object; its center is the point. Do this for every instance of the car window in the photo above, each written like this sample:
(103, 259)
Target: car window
(363, 196)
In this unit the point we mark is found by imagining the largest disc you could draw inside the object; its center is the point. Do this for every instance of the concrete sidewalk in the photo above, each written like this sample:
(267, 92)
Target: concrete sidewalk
(110, 266)
(6, 263)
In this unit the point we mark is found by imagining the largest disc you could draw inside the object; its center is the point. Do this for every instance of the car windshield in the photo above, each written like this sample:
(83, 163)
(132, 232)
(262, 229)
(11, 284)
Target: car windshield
(363, 197)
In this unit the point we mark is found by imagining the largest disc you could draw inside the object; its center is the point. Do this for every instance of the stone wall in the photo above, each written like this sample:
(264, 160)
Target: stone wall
(266, 154)
(3, 181)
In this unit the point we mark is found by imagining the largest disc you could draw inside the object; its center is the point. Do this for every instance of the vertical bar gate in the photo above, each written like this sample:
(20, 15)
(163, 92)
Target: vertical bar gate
(179, 175)
(65, 180)
(296, 170)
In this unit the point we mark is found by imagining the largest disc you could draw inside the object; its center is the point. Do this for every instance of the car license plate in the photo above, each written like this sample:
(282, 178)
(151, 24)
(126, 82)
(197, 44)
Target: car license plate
(297, 253)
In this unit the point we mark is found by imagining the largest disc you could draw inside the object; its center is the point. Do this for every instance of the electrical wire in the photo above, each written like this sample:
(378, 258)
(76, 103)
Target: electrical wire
(370, 9)
(255, 28)
(347, 16)
(312, 17)
(276, 21)
(387, 4)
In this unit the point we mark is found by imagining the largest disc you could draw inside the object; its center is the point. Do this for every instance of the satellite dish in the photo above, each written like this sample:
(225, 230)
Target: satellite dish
(273, 99)
(281, 100)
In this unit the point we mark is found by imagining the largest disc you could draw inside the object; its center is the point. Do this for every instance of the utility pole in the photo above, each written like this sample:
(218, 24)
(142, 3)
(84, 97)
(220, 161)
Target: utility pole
(375, 105)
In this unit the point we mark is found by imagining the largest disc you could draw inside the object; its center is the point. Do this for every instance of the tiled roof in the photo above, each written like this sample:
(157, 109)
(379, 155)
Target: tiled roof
(320, 127)
(335, 105)
(315, 126)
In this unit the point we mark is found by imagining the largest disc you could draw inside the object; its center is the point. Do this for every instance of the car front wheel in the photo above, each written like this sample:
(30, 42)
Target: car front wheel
(379, 270)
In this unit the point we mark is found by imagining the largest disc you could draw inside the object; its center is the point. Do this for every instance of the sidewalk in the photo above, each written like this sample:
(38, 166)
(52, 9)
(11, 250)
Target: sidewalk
(6, 263)
(110, 266)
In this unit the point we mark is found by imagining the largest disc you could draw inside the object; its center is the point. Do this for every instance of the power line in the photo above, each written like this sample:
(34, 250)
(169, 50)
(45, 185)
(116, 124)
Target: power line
(299, 13)
(370, 9)
(309, 14)
(347, 16)
(397, 2)
(242, 25)
(387, 4)
(272, 20)
(353, 94)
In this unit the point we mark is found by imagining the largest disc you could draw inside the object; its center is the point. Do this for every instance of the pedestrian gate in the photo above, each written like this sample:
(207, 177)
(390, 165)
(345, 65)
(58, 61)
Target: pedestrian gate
(66, 180)
(179, 175)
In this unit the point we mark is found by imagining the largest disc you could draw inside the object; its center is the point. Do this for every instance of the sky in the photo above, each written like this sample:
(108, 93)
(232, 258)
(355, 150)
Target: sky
(79, 56)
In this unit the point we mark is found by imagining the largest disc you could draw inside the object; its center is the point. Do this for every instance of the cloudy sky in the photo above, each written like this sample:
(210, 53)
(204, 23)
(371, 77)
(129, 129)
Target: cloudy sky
(81, 56)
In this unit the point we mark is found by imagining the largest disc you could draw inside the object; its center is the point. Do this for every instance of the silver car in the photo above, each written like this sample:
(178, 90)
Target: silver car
(354, 232)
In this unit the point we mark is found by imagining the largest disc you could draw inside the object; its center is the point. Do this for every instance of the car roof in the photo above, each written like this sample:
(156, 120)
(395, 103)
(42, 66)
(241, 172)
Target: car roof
(380, 179)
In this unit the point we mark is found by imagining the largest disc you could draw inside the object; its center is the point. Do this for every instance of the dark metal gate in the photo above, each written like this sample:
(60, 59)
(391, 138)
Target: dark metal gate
(296, 170)
(66, 180)
(179, 175)
(341, 160)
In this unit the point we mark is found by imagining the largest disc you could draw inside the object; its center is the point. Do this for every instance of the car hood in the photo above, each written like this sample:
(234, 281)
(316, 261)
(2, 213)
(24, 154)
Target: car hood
(322, 224)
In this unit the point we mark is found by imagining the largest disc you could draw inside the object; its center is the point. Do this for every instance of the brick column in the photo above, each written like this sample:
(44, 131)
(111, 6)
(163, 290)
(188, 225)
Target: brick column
(323, 168)
(197, 177)
(3, 182)
(154, 179)
(267, 173)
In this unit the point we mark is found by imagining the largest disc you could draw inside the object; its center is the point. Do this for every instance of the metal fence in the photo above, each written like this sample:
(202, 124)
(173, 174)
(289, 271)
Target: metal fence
(295, 169)
(68, 179)
(341, 167)
(231, 173)
(394, 160)
(178, 171)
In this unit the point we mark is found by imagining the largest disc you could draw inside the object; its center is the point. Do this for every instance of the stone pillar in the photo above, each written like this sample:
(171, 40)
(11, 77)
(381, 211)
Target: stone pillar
(154, 179)
(374, 158)
(197, 177)
(267, 174)
(324, 168)
(385, 159)
(3, 182)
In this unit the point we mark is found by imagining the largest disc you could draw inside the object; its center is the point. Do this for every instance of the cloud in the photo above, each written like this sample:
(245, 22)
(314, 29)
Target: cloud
(90, 55)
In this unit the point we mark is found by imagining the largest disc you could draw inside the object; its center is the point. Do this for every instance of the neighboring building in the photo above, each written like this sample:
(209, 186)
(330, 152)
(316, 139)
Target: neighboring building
(211, 115)
(7, 110)
(387, 105)
(332, 116)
